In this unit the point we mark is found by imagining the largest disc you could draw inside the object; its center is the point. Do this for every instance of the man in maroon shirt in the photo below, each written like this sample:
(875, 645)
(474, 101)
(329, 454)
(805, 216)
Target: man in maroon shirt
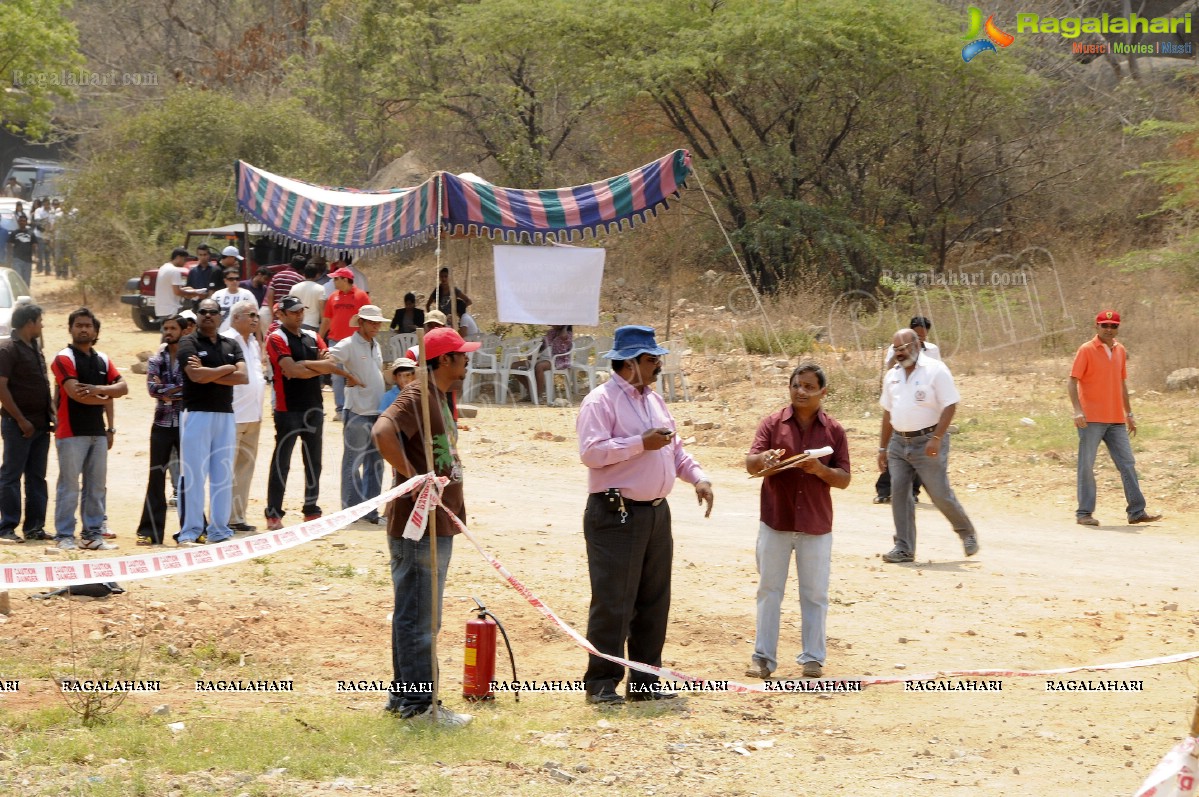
(797, 517)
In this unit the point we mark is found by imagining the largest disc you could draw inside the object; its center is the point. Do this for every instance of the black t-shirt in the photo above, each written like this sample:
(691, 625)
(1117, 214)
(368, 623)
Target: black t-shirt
(25, 368)
(210, 396)
(294, 395)
(210, 279)
(22, 244)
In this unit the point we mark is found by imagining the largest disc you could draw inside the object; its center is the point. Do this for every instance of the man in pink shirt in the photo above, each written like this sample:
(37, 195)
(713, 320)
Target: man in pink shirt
(627, 441)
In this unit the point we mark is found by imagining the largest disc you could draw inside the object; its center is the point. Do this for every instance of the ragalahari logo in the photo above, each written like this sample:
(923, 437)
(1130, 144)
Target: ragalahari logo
(993, 35)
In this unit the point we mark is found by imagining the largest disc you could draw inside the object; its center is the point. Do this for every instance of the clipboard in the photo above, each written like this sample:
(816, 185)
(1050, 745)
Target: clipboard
(786, 464)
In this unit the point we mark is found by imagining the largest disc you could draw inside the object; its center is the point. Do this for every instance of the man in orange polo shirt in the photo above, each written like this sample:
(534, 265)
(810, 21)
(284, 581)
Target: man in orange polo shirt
(1099, 393)
(340, 307)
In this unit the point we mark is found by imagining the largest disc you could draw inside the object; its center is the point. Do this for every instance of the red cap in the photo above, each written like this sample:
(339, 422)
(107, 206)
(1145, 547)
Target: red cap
(344, 273)
(444, 340)
(1107, 317)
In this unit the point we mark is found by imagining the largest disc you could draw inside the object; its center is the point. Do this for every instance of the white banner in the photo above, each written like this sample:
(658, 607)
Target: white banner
(548, 284)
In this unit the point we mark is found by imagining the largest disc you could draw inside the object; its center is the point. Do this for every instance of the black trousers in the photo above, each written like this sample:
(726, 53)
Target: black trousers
(164, 442)
(630, 566)
(304, 427)
(883, 485)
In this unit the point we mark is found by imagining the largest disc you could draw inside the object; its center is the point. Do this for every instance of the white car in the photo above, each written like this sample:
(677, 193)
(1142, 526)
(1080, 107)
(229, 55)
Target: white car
(13, 292)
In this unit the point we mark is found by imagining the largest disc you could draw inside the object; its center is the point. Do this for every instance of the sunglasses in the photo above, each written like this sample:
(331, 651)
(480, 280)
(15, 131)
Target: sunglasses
(1109, 326)
(208, 312)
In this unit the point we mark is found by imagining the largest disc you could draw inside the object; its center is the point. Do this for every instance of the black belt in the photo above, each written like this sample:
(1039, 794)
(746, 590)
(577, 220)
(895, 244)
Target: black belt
(631, 502)
(917, 433)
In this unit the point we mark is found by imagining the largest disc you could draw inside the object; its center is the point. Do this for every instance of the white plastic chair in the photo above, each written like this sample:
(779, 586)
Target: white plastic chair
(526, 351)
(672, 368)
(484, 364)
(579, 354)
(400, 343)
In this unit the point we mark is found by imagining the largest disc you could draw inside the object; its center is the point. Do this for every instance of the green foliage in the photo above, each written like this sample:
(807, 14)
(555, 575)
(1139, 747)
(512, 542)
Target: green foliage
(38, 47)
(834, 141)
(500, 80)
(150, 176)
(1179, 175)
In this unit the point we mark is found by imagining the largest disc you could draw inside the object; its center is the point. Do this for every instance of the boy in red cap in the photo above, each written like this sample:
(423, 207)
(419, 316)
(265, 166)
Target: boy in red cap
(1099, 393)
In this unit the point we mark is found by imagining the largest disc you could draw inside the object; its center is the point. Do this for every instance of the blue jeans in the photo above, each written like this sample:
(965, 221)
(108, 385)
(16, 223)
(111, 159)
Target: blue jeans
(906, 459)
(1115, 436)
(207, 445)
(27, 457)
(24, 268)
(411, 623)
(813, 555)
(361, 463)
(339, 385)
(86, 459)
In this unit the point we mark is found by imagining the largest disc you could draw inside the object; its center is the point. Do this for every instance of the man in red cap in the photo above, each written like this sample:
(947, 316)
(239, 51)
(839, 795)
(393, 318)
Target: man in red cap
(399, 434)
(1099, 392)
(340, 307)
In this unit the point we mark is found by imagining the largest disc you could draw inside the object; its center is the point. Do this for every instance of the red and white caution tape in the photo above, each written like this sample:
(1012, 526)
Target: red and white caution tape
(37, 575)
(41, 575)
(1174, 776)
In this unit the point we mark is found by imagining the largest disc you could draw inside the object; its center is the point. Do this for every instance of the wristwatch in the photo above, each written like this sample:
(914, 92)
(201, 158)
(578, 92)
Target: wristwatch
(113, 430)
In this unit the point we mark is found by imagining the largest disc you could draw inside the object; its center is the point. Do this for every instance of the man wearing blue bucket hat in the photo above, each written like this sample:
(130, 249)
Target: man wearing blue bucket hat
(627, 441)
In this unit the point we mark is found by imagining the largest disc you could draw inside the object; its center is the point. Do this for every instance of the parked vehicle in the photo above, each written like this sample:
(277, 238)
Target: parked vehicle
(38, 178)
(139, 291)
(13, 292)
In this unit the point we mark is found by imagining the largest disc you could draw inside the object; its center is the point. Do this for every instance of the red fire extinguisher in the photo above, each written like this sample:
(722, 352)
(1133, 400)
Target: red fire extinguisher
(478, 661)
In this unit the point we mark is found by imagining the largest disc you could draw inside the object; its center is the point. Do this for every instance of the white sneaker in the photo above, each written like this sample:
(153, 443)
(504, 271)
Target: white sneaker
(67, 544)
(97, 545)
(444, 717)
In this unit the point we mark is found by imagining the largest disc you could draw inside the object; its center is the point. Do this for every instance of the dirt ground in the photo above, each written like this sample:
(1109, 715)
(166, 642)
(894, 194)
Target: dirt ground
(1042, 593)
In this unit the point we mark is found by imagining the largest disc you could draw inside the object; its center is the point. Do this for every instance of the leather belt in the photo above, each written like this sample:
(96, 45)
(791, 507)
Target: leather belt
(631, 502)
(654, 502)
(917, 433)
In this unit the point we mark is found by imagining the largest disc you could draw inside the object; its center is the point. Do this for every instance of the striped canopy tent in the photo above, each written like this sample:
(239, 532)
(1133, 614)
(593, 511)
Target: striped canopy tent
(341, 219)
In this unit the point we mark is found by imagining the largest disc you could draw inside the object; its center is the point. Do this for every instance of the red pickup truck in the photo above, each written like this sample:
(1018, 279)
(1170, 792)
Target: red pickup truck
(139, 291)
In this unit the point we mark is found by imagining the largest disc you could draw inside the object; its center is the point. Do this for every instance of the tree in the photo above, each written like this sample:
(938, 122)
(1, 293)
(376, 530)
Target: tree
(838, 137)
(144, 178)
(39, 56)
(498, 81)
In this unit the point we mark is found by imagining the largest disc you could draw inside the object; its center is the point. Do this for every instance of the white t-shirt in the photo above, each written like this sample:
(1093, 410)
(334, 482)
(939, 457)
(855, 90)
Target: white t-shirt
(916, 400)
(226, 300)
(312, 294)
(166, 303)
(247, 398)
(363, 359)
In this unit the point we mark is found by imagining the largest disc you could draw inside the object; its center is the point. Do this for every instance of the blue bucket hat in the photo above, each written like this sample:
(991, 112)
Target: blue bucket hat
(633, 341)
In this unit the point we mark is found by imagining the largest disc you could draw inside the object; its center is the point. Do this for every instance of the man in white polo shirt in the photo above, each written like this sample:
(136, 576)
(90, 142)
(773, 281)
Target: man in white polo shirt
(919, 400)
(360, 355)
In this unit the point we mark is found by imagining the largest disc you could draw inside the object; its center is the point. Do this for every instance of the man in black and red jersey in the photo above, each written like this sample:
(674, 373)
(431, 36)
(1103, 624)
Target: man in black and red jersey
(87, 383)
(297, 356)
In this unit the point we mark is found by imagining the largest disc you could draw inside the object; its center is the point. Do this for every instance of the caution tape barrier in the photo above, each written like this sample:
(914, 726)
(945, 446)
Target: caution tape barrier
(188, 560)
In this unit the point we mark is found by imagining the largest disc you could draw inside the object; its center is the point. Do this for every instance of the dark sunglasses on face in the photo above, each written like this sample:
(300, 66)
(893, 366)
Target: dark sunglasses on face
(208, 312)
(1110, 326)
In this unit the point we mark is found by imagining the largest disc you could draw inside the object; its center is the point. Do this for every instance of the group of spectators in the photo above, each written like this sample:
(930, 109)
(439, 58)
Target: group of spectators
(33, 239)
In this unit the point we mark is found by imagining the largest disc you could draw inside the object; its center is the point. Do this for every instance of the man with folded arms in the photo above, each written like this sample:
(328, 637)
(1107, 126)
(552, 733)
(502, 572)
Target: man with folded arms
(919, 400)
(627, 441)
(1099, 392)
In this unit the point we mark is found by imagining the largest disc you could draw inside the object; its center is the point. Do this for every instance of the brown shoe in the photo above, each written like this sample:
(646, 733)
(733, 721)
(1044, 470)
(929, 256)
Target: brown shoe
(758, 670)
(1087, 520)
(812, 669)
(1145, 517)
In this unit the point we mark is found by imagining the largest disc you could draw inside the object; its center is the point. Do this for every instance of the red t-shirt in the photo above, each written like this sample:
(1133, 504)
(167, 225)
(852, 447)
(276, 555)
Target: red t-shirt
(791, 499)
(340, 308)
(92, 368)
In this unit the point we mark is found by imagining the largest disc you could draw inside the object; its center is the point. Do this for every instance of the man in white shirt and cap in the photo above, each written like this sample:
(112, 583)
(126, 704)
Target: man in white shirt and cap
(361, 356)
